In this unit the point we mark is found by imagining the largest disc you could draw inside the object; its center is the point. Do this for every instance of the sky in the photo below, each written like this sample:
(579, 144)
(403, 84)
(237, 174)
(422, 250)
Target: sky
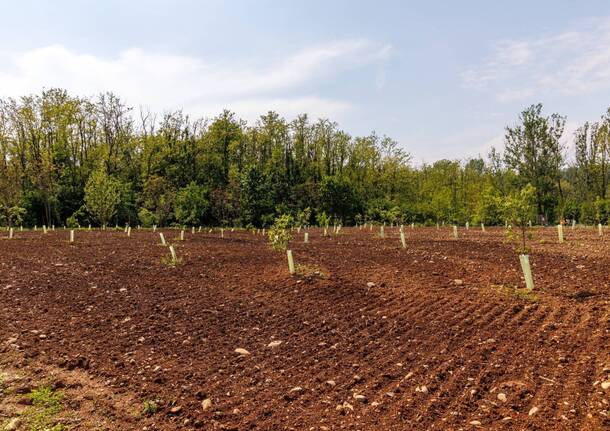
(443, 78)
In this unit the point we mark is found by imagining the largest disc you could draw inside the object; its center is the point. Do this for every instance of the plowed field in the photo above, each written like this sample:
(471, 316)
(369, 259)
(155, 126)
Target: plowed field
(372, 337)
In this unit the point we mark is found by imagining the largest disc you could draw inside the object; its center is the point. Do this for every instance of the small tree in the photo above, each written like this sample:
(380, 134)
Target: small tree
(147, 218)
(102, 196)
(279, 234)
(322, 219)
(519, 209)
(13, 216)
(304, 216)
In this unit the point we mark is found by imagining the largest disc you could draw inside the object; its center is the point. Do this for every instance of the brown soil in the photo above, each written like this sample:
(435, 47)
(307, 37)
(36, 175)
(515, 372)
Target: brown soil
(432, 345)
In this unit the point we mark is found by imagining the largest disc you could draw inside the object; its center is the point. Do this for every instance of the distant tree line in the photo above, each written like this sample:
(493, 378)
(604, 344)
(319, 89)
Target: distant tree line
(74, 161)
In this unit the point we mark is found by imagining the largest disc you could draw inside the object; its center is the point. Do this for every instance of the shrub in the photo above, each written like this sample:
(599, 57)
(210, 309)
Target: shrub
(304, 216)
(322, 219)
(191, 204)
(102, 196)
(77, 218)
(279, 233)
(13, 216)
(149, 408)
(147, 217)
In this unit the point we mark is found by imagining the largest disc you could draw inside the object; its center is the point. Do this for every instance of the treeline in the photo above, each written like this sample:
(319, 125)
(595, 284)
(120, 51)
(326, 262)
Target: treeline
(72, 160)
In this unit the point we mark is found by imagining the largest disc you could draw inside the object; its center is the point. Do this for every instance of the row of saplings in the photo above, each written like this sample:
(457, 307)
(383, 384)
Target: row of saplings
(518, 212)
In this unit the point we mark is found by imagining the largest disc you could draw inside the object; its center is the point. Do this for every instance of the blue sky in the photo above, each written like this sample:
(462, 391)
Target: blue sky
(442, 78)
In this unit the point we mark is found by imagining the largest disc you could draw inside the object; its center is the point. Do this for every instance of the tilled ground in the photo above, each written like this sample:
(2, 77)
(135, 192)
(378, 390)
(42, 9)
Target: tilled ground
(441, 341)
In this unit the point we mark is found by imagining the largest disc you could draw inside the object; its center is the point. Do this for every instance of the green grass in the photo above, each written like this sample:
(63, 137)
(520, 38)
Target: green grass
(519, 293)
(46, 404)
(526, 294)
(149, 408)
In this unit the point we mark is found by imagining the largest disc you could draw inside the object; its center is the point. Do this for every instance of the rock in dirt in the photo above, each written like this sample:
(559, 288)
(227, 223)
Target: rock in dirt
(458, 282)
(293, 393)
(475, 423)
(242, 352)
(175, 410)
(370, 284)
(606, 385)
(331, 383)
(502, 397)
(360, 397)
(206, 404)
(344, 408)
(533, 411)
(274, 344)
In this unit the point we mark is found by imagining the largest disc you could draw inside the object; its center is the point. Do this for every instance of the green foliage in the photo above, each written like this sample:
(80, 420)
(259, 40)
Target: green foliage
(46, 403)
(59, 152)
(149, 408)
(77, 218)
(533, 149)
(102, 196)
(279, 234)
(304, 216)
(12, 216)
(255, 199)
(393, 215)
(588, 213)
(602, 210)
(490, 209)
(322, 219)
(519, 208)
(191, 204)
(147, 218)
(338, 197)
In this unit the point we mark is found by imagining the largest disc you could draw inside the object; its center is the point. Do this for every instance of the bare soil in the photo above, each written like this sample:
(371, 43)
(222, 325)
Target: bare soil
(444, 339)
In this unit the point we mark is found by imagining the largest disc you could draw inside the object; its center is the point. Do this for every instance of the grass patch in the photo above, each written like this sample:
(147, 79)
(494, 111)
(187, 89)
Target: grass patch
(519, 293)
(526, 294)
(167, 260)
(310, 271)
(149, 408)
(46, 404)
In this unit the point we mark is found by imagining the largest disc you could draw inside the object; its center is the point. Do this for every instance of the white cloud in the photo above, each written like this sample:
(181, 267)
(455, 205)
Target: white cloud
(199, 86)
(575, 62)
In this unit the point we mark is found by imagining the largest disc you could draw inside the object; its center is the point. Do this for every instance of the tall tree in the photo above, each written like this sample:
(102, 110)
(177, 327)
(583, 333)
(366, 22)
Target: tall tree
(533, 149)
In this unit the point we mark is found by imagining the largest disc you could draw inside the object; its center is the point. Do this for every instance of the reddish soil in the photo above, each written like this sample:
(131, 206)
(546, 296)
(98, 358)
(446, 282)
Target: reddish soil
(431, 345)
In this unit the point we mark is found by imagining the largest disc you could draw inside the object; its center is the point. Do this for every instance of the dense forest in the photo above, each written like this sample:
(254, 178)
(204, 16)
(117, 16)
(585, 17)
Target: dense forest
(69, 160)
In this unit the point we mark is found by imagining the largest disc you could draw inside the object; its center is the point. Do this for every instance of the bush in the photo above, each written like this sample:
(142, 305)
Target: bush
(490, 209)
(102, 196)
(588, 213)
(322, 219)
(279, 233)
(147, 217)
(78, 218)
(13, 216)
(304, 216)
(191, 204)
